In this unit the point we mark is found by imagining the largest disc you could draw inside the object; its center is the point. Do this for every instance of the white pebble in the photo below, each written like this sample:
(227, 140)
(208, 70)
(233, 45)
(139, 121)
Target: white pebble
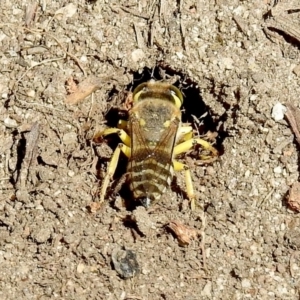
(246, 283)
(278, 112)
(83, 58)
(10, 123)
(277, 170)
(71, 173)
(137, 54)
(180, 55)
(31, 93)
(70, 138)
(228, 63)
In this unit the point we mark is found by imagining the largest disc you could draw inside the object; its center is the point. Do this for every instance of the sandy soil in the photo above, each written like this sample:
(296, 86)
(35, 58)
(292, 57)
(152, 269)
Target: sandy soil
(247, 240)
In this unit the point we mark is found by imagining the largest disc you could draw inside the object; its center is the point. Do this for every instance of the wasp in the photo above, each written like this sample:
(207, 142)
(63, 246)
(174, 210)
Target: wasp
(151, 139)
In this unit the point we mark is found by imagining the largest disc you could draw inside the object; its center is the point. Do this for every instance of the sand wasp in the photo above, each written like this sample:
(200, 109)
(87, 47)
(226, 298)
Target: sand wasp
(151, 139)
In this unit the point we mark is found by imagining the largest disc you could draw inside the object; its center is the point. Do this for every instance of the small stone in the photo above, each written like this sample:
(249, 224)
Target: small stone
(206, 292)
(143, 220)
(80, 268)
(296, 70)
(278, 112)
(278, 170)
(228, 63)
(31, 93)
(281, 268)
(41, 235)
(71, 173)
(125, 263)
(67, 11)
(246, 283)
(180, 55)
(10, 123)
(258, 77)
(137, 54)
(70, 138)
(83, 58)
(293, 198)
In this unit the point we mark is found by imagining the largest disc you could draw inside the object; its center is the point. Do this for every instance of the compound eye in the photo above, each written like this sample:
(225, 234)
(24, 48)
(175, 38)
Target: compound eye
(177, 95)
(139, 90)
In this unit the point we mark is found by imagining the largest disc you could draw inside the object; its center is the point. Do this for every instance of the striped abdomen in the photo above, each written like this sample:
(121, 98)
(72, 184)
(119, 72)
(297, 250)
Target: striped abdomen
(150, 175)
(153, 125)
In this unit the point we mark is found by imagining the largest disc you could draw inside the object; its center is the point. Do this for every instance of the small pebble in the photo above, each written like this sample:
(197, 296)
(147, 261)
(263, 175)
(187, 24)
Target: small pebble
(10, 123)
(71, 173)
(137, 54)
(296, 70)
(80, 268)
(31, 93)
(278, 112)
(228, 63)
(125, 263)
(277, 170)
(246, 283)
(70, 138)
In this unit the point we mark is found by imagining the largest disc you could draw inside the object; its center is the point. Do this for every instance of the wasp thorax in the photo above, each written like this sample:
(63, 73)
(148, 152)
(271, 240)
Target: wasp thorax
(158, 90)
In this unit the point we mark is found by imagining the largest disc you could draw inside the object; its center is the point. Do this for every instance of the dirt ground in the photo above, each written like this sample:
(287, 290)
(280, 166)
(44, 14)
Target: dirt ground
(246, 239)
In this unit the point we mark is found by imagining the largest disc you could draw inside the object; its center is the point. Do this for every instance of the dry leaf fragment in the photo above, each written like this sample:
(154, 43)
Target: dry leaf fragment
(81, 91)
(94, 207)
(293, 116)
(293, 199)
(183, 233)
(128, 101)
(30, 13)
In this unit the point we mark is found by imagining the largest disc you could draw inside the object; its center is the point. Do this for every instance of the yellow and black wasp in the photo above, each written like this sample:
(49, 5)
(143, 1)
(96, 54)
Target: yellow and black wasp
(151, 139)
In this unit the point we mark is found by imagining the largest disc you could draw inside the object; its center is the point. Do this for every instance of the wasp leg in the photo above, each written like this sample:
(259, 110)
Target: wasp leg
(122, 124)
(112, 167)
(184, 147)
(185, 133)
(125, 138)
(187, 145)
(178, 166)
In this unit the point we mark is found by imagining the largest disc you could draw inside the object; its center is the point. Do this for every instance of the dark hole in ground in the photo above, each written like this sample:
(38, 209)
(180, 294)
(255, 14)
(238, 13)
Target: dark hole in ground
(194, 111)
(21, 150)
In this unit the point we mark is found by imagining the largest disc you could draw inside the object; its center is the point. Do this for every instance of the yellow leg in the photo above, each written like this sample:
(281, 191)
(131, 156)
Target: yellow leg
(112, 168)
(185, 133)
(125, 138)
(122, 124)
(187, 145)
(178, 166)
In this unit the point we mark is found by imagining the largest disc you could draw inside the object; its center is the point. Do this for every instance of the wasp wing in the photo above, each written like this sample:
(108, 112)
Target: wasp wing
(150, 166)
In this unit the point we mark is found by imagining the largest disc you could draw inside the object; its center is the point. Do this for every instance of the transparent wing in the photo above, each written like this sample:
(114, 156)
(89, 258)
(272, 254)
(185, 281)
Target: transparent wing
(152, 163)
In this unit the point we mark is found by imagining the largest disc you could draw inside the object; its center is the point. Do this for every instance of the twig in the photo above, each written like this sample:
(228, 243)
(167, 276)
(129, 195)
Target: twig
(61, 46)
(279, 21)
(39, 64)
(266, 198)
(131, 11)
(293, 116)
(202, 245)
(30, 154)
